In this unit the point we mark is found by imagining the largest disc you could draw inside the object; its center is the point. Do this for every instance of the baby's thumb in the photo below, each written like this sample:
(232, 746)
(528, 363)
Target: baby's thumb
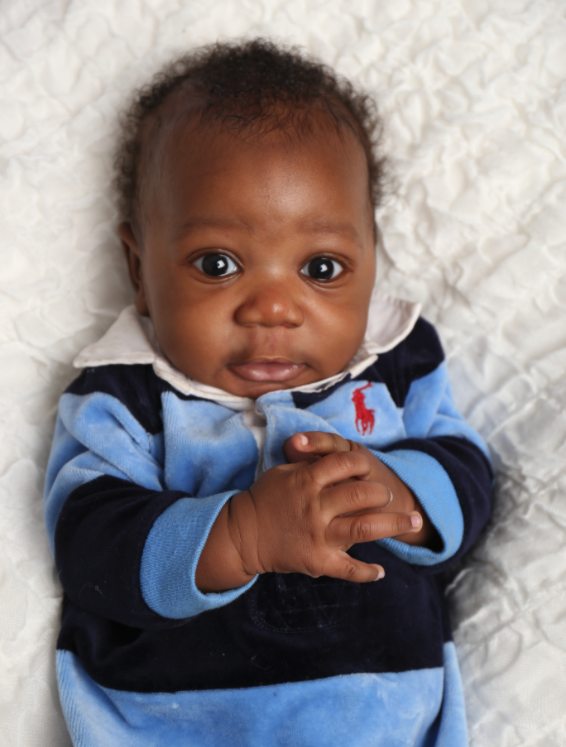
(297, 449)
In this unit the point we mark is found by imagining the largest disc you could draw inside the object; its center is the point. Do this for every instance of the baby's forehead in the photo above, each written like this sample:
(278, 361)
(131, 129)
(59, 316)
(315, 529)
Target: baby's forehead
(184, 126)
(186, 150)
(188, 158)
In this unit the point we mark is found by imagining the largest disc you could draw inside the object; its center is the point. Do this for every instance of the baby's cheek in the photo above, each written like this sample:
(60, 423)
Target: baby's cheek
(341, 340)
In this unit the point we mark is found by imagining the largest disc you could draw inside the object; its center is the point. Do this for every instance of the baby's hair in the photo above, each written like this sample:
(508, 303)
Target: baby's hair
(256, 87)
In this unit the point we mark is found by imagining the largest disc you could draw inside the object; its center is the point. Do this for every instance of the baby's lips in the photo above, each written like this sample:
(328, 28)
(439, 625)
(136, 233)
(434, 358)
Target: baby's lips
(268, 370)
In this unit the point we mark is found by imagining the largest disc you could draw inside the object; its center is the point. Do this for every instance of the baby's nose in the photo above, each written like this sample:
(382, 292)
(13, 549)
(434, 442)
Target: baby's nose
(271, 306)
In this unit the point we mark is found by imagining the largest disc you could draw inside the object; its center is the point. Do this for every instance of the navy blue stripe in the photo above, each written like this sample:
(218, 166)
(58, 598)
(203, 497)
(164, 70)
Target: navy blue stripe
(99, 541)
(303, 400)
(472, 478)
(417, 356)
(286, 628)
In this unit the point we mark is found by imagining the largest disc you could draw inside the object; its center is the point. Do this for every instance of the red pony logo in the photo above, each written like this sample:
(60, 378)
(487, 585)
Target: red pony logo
(364, 417)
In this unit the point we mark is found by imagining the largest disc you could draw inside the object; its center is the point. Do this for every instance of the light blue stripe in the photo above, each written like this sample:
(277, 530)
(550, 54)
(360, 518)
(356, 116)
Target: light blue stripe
(107, 428)
(430, 483)
(338, 414)
(171, 554)
(96, 435)
(208, 448)
(452, 728)
(359, 710)
(429, 410)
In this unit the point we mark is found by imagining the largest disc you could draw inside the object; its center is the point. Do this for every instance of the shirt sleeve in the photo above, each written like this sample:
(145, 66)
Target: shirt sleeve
(442, 460)
(125, 547)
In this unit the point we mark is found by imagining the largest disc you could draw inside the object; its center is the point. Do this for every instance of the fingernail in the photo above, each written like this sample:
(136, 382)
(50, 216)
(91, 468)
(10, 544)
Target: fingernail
(303, 440)
(380, 574)
(416, 520)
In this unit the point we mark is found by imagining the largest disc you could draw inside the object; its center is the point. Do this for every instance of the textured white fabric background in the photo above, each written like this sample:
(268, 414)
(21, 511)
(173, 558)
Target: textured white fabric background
(474, 93)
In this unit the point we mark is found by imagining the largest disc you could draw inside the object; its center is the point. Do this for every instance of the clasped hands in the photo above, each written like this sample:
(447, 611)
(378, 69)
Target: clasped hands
(303, 516)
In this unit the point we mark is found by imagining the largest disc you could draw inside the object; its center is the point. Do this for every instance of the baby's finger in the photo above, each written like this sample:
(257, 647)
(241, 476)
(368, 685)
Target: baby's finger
(355, 496)
(369, 527)
(341, 565)
(338, 467)
(303, 446)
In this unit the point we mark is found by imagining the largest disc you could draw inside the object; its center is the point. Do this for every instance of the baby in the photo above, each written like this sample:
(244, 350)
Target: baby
(246, 450)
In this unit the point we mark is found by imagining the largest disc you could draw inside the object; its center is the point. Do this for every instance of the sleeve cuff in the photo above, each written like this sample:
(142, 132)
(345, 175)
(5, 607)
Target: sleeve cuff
(171, 554)
(430, 483)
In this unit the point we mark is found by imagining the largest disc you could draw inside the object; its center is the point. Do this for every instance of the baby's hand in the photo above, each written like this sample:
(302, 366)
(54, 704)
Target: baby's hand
(304, 517)
(313, 445)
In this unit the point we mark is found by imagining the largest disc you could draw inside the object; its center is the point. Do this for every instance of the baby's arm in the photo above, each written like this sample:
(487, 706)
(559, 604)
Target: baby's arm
(303, 518)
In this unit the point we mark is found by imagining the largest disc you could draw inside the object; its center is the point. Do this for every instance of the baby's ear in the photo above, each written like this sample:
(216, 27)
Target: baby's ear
(132, 252)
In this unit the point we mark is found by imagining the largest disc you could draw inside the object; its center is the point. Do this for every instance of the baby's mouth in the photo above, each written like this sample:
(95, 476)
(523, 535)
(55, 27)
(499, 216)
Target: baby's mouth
(265, 370)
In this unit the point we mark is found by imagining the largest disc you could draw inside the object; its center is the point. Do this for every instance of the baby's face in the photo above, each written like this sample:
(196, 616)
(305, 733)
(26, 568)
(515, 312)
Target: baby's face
(258, 257)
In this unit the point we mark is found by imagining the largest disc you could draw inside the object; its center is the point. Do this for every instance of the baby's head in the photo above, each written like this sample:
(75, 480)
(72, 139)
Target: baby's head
(249, 178)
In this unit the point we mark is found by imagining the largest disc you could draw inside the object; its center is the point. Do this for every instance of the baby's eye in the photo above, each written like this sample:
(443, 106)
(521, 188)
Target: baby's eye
(216, 265)
(322, 268)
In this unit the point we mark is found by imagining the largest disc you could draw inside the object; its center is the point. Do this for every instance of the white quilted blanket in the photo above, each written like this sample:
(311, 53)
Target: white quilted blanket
(474, 92)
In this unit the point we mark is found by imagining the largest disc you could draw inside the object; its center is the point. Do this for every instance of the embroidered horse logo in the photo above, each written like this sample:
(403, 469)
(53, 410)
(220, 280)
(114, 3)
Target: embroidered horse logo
(365, 419)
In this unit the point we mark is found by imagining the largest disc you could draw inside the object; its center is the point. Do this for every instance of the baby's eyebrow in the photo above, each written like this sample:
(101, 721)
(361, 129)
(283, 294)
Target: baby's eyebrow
(214, 222)
(341, 229)
(311, 226)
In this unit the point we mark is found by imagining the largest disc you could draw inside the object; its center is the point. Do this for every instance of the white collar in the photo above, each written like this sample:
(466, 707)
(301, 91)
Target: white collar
(131, 340)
